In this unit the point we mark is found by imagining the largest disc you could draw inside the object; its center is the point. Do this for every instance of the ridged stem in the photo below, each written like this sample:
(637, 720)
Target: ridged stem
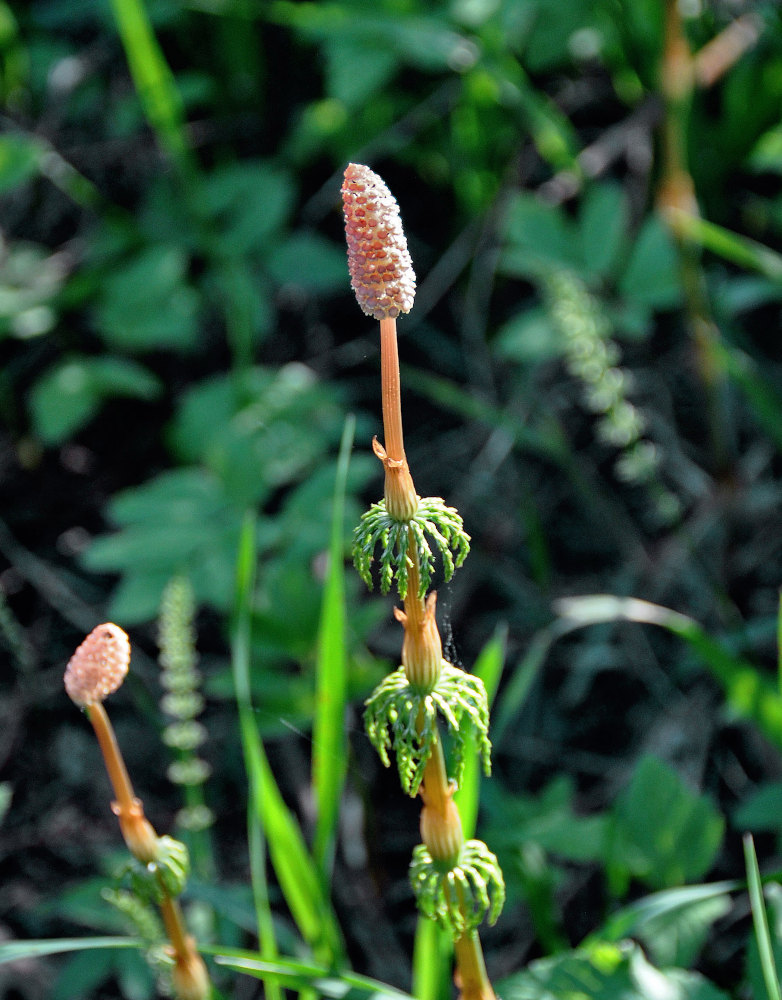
(112, 756)
(473, 982)
(437, 792)
(391, 392)
(190, 975)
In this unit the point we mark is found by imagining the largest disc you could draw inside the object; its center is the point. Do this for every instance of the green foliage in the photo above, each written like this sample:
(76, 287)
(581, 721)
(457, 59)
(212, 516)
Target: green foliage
(604, 971)
(172, 283)
(661, 832)
(69, 395)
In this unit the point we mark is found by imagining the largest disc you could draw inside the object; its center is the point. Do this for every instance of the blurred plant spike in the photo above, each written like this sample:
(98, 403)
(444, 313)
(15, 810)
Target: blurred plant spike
(592, 357)
(183, 701)
(457, 883)
(160, 867)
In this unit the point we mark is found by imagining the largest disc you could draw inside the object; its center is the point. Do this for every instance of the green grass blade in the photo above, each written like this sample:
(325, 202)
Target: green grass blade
(298, 975)
(17, 951)
(329, 752)
(488, 667)
(296, 872)
(240, 657)
(432, 951)
(729, 245)
(518, 687)
(153, 80)
(761, 395)
(760, 920)
(747, 691)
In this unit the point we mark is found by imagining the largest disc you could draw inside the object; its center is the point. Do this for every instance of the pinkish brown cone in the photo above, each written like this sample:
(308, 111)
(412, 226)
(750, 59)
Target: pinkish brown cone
(98, 666)
(381, 271)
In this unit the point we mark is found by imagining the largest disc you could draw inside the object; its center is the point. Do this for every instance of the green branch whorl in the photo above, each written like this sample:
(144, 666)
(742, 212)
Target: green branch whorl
(402, 718)
(459, 898)
(433, 518)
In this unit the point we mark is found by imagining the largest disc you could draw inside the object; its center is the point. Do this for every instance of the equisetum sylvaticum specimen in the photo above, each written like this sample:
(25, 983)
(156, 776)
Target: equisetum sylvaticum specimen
(457, 882)
(96, 670)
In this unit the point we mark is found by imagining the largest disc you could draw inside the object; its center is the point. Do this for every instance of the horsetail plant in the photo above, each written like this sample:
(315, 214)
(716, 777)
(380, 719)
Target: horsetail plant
(96, 670)
(457, 882)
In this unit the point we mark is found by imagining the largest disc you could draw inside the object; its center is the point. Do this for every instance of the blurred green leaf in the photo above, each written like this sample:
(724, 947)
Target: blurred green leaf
(538, 236)
(761, 810)
(299, 975)
(19, 160)
(309, 261)
(247, 203)
(661, 832)
(671, 924)
(603, 971)
(652, 275)
(603, 221)
(547, 820)
(146, 303)
(69, 395)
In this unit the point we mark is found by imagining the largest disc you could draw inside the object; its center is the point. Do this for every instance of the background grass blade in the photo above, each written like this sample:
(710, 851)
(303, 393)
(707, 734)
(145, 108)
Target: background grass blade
(746, 689)
(298, 877)
(760, 920)
(300, 975)
(251, 745)
(154, 81)
(329, 752)
(488, 667)
(17, 951)
(432, 951)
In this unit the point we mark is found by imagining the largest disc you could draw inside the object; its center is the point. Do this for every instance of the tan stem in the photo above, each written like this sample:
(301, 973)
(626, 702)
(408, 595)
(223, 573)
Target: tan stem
(472, 980)
(112, 756)
(392, 397)
(174, 924)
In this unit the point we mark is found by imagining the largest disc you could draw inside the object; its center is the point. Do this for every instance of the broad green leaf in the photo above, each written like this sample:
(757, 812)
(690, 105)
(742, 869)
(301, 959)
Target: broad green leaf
(309, 261)
(70, 394)
(761, 810)
(247, 202)
(604, 971)
(602, 225)
(546, 820)
(146, 303)
(672, 924)
(661, 832)
(20, 157)
(528, 337)
(539, 236)
(355, 69)
(652, 275)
